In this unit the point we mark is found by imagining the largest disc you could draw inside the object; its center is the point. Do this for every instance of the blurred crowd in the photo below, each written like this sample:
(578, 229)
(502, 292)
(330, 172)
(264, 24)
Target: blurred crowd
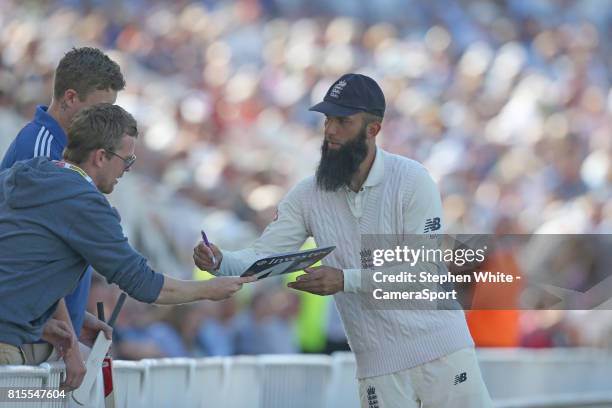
(508, 104)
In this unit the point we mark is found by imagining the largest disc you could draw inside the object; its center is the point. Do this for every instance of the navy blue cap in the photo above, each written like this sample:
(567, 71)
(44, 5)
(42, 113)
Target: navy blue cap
(350, 94)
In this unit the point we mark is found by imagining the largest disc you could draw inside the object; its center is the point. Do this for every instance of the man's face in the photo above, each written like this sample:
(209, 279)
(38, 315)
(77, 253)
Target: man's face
(99, 96)
(114, 166)
(93, 98)
(344, 148)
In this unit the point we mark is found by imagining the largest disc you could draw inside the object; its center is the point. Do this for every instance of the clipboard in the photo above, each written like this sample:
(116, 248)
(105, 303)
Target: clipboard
(280, 264)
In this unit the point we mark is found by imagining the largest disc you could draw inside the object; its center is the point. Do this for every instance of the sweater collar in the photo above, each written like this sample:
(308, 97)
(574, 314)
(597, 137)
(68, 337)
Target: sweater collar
(43, 117)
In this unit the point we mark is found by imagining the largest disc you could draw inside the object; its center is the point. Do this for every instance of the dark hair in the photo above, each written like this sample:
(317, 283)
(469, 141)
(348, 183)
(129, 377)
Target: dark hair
(101, 126)
(85, 70)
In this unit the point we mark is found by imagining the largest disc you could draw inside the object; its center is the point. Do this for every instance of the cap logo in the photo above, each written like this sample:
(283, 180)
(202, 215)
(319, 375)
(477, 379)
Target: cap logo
(337, 89)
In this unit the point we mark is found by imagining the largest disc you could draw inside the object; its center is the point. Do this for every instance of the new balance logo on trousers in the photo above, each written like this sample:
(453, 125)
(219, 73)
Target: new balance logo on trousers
(451, 381)
(459, 378)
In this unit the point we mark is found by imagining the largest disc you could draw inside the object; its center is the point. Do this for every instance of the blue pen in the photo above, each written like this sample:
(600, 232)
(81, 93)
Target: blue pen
(205, 239)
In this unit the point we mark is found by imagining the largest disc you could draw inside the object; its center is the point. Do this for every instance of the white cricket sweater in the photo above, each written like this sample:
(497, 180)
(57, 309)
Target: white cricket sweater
(398, 197)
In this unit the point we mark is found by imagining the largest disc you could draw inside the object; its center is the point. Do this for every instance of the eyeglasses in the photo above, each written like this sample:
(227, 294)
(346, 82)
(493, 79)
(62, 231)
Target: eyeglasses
(127, 161)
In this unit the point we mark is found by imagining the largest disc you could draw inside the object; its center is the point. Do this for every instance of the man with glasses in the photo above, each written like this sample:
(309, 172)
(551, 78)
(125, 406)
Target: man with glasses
(55, 220)
(129, 161)
(84, 76)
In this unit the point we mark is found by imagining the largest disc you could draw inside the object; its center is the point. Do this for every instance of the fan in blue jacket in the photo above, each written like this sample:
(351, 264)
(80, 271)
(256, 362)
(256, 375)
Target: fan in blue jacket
(84, 76)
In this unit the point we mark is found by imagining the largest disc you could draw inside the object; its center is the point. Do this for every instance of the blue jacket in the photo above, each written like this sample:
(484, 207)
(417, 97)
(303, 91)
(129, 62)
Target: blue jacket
(44, 137)
(53, 223)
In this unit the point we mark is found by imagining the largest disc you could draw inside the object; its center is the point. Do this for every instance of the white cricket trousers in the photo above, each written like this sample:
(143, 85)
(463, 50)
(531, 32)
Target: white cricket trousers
(452, 381)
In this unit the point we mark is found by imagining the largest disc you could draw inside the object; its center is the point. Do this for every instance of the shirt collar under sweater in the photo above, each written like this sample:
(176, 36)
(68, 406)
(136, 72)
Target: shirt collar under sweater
(377, 171)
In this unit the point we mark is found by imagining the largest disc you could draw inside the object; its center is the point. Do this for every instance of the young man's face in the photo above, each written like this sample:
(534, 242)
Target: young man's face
(115, 165)
(98, 96)
(344, 148)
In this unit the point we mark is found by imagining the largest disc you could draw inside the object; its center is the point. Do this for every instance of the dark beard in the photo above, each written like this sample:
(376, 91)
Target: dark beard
(337, 167)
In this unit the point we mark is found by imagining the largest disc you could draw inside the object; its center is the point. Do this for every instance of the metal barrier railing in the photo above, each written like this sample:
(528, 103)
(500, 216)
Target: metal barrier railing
(582, 400)
(515, 378)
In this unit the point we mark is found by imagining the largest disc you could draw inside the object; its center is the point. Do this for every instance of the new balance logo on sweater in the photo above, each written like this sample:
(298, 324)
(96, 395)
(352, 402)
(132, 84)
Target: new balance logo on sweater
(432, 224)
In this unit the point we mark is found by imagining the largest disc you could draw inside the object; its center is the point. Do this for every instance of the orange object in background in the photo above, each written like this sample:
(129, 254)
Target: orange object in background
(494, 316)
(494, 328)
